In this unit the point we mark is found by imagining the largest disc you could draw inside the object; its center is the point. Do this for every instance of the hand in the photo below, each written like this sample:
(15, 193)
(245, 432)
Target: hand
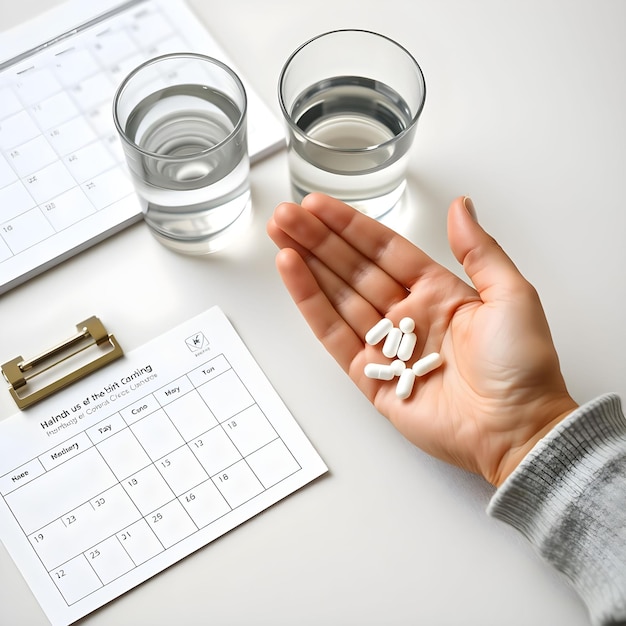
(499, 389)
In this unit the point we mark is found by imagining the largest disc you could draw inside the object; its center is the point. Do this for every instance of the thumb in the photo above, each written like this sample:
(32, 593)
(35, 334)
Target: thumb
(491, 271)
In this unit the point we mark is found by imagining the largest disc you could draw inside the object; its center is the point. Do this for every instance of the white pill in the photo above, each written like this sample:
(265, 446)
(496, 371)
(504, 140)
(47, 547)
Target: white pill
(427, 364)
(398, 367)
(407, 345)
(407, 325)
(378, 371)
(378, 332)
(405, 384)
(392, 342)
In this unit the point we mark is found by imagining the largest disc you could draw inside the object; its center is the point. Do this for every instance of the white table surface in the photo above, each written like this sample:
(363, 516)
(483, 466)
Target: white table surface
(524, 112)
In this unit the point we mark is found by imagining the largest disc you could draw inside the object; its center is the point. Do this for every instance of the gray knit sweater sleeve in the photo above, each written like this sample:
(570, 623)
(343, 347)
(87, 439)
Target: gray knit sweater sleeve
(568, 497)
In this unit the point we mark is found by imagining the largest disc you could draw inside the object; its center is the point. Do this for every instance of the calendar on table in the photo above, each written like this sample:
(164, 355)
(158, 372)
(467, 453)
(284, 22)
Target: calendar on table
(63, 180)
(115, 478)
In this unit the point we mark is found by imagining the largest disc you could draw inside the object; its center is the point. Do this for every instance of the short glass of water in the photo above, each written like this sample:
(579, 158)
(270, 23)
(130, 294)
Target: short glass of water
(182, 121)
(351, 100)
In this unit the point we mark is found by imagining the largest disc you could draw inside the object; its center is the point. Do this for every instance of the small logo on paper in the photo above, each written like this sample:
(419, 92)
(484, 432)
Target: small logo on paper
(197, 342)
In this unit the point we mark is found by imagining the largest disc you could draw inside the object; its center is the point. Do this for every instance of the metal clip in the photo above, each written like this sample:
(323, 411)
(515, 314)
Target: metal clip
(19, 372)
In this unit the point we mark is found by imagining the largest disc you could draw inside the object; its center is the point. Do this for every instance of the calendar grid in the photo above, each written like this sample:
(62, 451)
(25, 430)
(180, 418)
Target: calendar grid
(60, 158)
(64, 182)
(161, 469)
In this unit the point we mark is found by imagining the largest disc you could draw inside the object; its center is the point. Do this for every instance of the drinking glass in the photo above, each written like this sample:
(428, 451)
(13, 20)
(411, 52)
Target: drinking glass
(182, 121)
(351, 100)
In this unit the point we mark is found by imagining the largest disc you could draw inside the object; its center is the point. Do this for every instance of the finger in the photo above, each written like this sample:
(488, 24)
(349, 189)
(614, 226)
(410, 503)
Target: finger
(313, 237)
(492, 272)
(336, 290)
(327, 323)
(355, 310)
(394, 254)
(282, 239)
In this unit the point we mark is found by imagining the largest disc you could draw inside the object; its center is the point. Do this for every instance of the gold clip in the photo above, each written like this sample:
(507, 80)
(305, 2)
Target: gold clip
(19, 372)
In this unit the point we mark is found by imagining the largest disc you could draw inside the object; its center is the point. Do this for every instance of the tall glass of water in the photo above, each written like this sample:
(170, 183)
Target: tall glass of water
(351, 100)
(182, 121)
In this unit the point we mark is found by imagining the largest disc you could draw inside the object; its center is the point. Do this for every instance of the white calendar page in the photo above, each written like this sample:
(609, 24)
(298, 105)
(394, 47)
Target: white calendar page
(114, 479)
(63, 179)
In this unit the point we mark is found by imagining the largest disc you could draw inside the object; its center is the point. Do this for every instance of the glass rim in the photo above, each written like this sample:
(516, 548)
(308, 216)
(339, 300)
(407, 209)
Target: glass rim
(166, 57)
(331, 148)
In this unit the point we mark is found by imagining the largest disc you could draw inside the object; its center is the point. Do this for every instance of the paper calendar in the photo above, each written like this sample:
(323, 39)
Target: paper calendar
(115, 478)
(63, 179)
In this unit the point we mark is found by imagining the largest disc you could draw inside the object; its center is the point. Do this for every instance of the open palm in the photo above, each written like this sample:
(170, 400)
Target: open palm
(500, 388)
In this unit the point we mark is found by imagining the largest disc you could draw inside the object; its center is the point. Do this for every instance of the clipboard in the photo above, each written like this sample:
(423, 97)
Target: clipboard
(91, 336)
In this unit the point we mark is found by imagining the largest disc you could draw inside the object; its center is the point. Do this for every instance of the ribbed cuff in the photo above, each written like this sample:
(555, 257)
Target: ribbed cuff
(568, 497)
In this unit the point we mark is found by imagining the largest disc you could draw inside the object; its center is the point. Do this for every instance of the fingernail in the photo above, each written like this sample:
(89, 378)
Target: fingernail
(469, 207)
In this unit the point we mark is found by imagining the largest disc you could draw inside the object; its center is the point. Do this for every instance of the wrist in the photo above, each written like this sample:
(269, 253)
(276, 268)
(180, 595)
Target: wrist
(553, 413)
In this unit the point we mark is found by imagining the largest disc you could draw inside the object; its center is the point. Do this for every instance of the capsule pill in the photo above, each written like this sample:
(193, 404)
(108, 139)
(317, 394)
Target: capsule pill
(398, 367)
(427, 364)
(378, 332)
(407, 325)
(405, 384)
(379, 371)
(392, 343)
(406, 347)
